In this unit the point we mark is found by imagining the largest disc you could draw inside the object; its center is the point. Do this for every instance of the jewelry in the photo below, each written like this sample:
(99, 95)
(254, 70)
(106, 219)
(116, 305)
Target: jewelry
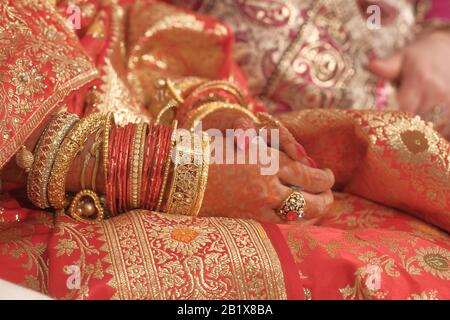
(167, 165)
(45, 154)
(137, 159)
(147, 163)
(24, 159)
(93, 152)
(84, 205)
(189, 177)
(198, 114)
(200, 190)
(224, 86)
(161, 165)
(158, 166)
(293, 207)
(170, 105)
(70, 147)
(109, 122)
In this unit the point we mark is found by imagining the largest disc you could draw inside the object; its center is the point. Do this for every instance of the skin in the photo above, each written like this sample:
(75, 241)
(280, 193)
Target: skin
(232, 190)
(422, 72)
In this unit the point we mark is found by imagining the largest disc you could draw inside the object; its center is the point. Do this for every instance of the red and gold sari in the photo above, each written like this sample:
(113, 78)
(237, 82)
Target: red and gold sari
(386, 236)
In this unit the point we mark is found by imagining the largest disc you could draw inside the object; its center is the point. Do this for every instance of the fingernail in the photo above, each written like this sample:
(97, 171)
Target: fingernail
(311, 162)
(301, 151)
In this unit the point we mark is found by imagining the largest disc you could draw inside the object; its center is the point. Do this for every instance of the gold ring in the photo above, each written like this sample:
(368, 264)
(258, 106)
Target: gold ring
(293, 207)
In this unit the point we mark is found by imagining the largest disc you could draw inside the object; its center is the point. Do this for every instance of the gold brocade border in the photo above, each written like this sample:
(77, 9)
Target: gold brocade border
(42, 112)
(157, 256)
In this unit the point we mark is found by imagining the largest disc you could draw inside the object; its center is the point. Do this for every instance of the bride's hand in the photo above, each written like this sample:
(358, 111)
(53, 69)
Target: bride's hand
(242, 191)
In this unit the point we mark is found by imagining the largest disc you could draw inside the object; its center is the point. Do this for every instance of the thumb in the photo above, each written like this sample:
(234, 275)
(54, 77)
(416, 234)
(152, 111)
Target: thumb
(388, 69)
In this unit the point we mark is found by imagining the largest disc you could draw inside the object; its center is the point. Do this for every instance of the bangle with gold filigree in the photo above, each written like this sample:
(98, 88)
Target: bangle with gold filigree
(135, 169)
(189, 175)
(167, 166)
(72, 144)
(45, 154)
(198, 114)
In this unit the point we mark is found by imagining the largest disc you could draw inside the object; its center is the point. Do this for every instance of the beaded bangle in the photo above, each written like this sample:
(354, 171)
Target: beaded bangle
(109, 122)
(135, 169)
(70, 147)
(45, 154)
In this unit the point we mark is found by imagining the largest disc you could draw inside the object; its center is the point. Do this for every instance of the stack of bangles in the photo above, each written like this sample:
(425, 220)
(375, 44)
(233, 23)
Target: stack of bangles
(203, 98)
(146, 166)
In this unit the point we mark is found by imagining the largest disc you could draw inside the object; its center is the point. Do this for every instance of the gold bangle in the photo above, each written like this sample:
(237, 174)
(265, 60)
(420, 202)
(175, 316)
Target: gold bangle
(170, 105)
(70, 147)
(137, 147)
(109, 122)
(184, 195)
(210, 107)
(45, 154)
(205, 158)
(224, 86)
(167, 166)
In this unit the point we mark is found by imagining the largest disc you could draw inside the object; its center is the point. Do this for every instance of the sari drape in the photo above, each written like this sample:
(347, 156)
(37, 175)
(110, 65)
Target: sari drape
(385, 237)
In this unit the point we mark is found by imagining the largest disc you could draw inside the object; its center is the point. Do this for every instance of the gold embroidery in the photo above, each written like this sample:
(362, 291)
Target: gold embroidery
(435, 260)
(155, 256)
(76, 239)
(431, 295)
(43, 65)
(17, 243)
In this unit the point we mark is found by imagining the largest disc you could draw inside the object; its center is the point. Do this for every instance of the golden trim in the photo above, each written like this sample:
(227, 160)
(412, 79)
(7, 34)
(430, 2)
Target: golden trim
(230, 243)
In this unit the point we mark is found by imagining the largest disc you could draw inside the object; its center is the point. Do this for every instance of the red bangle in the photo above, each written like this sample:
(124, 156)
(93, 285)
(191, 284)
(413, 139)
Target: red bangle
(124, 167)
(152, 170)
(109, 194)
(129, 181)
(114, 165)
(147, 163)
(164, 142)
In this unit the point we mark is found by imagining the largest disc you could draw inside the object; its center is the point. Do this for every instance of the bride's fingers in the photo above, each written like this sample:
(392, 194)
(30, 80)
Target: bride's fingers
(317, 204)
(286, 141)
(310, 179)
